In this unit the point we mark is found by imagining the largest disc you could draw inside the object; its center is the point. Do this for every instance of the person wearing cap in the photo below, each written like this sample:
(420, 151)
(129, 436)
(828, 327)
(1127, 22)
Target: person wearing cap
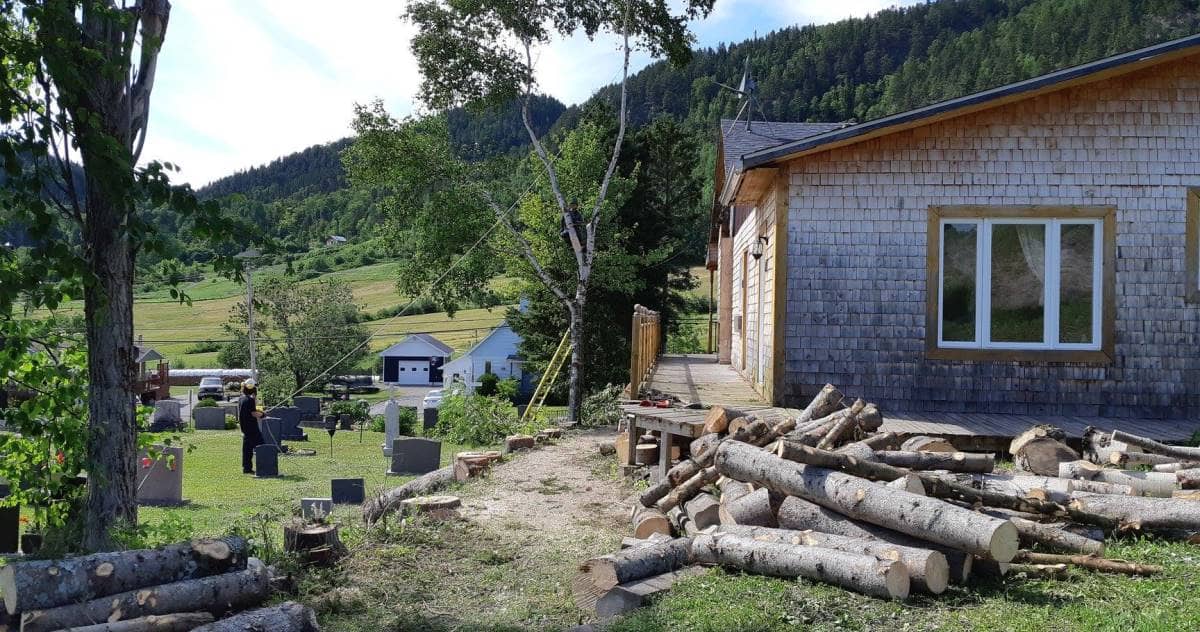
(248, 416)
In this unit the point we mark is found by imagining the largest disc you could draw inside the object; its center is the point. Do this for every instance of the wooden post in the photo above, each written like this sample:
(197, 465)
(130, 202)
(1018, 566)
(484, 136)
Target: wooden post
(634, 345)
(632, 435)
(664, 452)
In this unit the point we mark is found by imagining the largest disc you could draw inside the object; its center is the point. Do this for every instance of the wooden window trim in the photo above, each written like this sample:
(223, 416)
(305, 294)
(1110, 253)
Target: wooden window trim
(1108, 310)
(1192, 248)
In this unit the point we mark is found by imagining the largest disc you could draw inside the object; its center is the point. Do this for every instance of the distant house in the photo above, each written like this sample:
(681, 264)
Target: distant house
(1030, 249)
(416, 360)
(496, 354)
(333, 241)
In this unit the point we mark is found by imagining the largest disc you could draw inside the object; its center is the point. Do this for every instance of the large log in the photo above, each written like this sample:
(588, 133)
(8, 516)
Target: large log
(1150, 445)
(936, 487)
(910, 483)
(468, 465)
(633, 595)
(1157, 484)
(648, 521)
(1023, 486)
(689, 488)
(1091, 561)
(216, 595)
(600, 574)
(861, 573)
(698, 447)
(1040, 431)
(286, 617)
(717, 419)
(689, 468)
(703, 510)
(1188, 479)
(881, 441)
(921, 443)
(752, 509)
(799, 514)
(928, 570)
(949, 461)
(1175, 466)
(1135, 513)
(919, 516)
(379, 506)
(39, 584)
(179, 622)
(1053, 536)
(1042, 456)
(732, 490)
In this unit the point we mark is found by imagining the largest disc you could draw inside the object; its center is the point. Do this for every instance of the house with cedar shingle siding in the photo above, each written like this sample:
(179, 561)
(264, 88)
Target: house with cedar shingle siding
(1031, 249)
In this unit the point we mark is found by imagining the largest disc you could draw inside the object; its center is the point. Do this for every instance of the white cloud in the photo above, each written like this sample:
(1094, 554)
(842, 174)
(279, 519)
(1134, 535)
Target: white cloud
(242, 82)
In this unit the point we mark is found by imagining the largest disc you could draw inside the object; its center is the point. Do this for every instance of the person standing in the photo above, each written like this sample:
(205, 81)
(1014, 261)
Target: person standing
(248, 416)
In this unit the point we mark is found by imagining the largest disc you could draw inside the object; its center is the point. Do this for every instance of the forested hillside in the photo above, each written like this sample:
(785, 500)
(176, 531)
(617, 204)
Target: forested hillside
(855, 69)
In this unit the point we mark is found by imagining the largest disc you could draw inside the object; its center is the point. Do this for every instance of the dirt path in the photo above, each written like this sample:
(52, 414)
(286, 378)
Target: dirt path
(507, 564)
(554, 491)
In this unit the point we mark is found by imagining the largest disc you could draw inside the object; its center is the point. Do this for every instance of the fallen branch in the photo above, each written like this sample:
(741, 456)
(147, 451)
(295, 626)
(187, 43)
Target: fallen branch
(1150, 445)
(1090, 561)
(389, 501)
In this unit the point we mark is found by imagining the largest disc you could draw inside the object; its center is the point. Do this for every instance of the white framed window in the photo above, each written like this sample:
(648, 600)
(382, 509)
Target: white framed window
(1020, 283)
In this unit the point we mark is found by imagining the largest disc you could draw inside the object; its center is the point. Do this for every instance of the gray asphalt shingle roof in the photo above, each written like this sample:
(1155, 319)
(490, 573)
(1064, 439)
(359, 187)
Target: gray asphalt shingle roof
(738, 141)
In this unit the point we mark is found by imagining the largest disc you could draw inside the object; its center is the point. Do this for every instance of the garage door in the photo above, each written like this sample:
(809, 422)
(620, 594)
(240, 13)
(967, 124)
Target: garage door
(412, 372)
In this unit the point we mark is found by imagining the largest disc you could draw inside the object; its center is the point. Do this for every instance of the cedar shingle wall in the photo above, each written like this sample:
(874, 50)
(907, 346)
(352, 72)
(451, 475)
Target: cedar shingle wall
(760, 222)
(857, 246)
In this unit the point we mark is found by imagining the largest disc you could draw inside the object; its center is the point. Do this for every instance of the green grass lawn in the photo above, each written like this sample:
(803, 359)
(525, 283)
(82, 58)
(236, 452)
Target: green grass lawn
(220, 495)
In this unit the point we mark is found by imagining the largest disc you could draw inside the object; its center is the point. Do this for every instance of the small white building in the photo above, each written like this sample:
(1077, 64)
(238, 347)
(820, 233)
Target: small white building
(416, 360)
(333, 241)
(496, 353)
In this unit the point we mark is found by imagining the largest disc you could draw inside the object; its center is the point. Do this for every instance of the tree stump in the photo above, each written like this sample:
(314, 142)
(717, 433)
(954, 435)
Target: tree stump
(315, 543)
(646, 454)
(440, 507)
(468, 465)
(515, 443)
(1041, 455)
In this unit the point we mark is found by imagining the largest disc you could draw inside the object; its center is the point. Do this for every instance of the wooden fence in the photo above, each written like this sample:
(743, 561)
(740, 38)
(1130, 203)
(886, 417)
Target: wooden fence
(645, 344)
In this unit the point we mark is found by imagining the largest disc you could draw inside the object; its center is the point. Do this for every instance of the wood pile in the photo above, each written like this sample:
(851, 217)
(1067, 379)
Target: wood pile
(826, 496)
(185, 586)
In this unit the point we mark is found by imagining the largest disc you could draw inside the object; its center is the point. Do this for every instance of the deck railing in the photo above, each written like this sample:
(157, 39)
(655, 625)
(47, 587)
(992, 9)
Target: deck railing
(644, 346)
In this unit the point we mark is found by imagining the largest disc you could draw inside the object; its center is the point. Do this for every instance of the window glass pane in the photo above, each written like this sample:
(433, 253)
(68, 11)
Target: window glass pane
(1076, 283)
(1018, 282)
(958, 282)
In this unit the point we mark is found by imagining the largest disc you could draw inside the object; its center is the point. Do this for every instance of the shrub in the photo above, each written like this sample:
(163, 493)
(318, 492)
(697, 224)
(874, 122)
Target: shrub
(208, 346)
(602, 408)
(206, 403)
(474, 420)
(378, 424)
(488, 384)
(359, 410)
(408, 421)
(508, 389)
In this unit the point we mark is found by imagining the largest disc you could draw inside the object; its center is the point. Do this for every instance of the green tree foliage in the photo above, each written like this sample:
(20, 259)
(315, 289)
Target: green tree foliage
(473, 419)
(304, 332)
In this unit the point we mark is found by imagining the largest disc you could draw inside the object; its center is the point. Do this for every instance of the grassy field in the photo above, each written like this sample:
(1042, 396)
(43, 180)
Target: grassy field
(172, 327)
(219, 495)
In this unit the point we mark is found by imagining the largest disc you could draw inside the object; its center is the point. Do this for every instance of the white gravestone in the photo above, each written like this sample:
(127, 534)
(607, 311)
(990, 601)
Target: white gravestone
(391, 426)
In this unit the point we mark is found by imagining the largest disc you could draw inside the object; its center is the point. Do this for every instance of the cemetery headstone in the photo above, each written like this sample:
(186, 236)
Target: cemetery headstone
(266, 461)
(415, 455)
(272, 430)
(209, 418)
(346, 422)
(160, 478)
(10, 525)
(289, 420)
(316, 508)
(348, 491)
(166, 416)
(310, 407)
(430, 418)
(391, 426)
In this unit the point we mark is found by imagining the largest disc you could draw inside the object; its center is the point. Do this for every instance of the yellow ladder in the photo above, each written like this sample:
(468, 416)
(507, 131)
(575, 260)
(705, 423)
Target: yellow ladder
(552, 369)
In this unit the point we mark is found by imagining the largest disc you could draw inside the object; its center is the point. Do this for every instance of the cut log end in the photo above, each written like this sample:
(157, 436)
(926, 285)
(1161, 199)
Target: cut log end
(1005, 542)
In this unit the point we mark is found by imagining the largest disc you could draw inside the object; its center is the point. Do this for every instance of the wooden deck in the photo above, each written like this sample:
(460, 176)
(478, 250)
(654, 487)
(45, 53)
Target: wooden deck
(700, 379)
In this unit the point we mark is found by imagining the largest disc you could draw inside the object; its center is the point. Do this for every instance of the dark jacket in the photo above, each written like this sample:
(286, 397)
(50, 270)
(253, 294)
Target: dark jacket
(247, 404)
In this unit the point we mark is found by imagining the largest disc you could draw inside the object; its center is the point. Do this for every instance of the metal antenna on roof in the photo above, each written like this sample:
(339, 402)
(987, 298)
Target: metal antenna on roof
(746, 94)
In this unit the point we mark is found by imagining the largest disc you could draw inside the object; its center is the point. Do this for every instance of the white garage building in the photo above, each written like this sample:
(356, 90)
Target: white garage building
(416, 360)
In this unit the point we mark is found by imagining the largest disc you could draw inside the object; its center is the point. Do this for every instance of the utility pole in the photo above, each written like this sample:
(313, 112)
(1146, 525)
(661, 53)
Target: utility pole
(249, 256)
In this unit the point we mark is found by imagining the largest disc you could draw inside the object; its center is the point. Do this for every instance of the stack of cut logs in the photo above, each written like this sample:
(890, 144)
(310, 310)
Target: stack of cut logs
(825, 496)
(187, 586)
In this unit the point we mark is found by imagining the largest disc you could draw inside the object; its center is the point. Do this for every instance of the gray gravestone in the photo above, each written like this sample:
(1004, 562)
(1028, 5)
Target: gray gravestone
(316, 508)
(10, 525)
(348, 491)
(272, 430)
(414, 455)
(160, 481)
(310, 407)
(266, 461)
(430, 418)
(166, 415)
(209, 418)
(391, 426)
(289, 420)
(346, 422)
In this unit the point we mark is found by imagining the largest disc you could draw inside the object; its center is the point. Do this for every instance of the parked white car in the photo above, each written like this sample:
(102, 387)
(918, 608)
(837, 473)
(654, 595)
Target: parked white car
(433, 399)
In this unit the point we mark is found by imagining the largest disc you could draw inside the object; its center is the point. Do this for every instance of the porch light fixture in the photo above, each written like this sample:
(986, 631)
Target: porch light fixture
(756, 248)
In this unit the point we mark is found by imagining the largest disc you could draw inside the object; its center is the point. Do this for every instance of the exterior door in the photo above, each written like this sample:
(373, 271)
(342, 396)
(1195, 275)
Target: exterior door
(391, 370)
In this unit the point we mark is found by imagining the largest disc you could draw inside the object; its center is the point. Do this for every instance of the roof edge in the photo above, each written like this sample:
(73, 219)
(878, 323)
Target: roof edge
(994, 97)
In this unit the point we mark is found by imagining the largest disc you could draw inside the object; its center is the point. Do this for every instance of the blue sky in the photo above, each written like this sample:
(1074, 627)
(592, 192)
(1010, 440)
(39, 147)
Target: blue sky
(242, 82)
